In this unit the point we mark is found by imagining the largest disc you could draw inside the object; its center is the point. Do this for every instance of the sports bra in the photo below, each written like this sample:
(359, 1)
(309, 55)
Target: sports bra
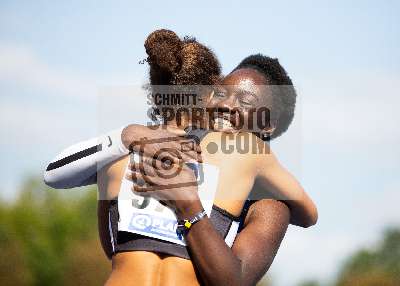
(225, 224)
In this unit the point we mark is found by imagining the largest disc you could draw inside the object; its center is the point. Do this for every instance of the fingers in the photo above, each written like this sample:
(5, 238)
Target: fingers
(192, 156)
(153, 167)
(139, 178)
(143, 185)
(145, 167)
(158, 195)
(180, 149)
(150, 172)
(191, 151)
(143, 191)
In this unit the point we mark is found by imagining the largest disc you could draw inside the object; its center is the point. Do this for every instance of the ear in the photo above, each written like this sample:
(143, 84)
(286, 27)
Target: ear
(267, 132)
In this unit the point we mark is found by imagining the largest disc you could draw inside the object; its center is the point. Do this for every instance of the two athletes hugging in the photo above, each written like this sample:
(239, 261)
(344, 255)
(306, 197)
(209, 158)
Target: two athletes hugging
(176, 208)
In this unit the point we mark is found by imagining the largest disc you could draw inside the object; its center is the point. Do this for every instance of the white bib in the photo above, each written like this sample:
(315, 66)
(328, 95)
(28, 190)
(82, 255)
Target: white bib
(147, 216)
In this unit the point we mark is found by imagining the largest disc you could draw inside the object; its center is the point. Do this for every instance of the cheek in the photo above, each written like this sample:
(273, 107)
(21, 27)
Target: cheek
(209, 101)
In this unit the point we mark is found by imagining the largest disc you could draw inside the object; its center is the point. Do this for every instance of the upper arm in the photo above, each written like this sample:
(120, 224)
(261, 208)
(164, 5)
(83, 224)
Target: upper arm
(284, 186)
(265, 226)
(276, 179)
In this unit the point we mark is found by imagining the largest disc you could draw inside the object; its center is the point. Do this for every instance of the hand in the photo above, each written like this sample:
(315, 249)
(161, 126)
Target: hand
(151, 141)
(172, 183)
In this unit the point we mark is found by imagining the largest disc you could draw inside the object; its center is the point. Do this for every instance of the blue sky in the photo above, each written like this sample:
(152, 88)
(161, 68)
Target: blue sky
(343, 56)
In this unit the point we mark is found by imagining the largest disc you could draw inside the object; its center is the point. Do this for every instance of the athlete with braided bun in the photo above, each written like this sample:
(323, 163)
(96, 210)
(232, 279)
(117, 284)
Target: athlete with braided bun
(180, 62)
(215, 253)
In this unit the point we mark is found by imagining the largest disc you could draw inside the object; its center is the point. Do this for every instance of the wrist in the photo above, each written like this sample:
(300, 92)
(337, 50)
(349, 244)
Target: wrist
(185, 225)
(188, 208)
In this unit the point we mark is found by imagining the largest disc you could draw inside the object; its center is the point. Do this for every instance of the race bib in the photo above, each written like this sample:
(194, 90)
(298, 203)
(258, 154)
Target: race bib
(147, 216)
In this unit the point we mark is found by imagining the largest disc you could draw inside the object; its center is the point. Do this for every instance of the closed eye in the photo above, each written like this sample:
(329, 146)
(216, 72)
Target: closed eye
(245, 103)
(219, 93)
(247, 99)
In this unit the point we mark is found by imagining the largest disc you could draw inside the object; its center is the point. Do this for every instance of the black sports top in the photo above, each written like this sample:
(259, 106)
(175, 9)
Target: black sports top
(226, 225)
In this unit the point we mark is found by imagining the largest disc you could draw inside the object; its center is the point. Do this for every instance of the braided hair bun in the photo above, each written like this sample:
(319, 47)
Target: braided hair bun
(174, 61)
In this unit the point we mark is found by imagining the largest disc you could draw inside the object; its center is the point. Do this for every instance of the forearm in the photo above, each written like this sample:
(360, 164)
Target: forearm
(258, 242)
(279, 183)
(303, 212)
(77, 165)
(252, 253)
(212, 257)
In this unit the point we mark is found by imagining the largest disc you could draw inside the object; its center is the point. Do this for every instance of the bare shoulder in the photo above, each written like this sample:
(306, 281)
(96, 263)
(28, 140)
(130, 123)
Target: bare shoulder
(225, 148)
(240, 143)
(243, 147)
(113, 169)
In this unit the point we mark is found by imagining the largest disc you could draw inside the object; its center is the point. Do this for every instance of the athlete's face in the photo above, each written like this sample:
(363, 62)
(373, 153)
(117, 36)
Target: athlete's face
(241, 100)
